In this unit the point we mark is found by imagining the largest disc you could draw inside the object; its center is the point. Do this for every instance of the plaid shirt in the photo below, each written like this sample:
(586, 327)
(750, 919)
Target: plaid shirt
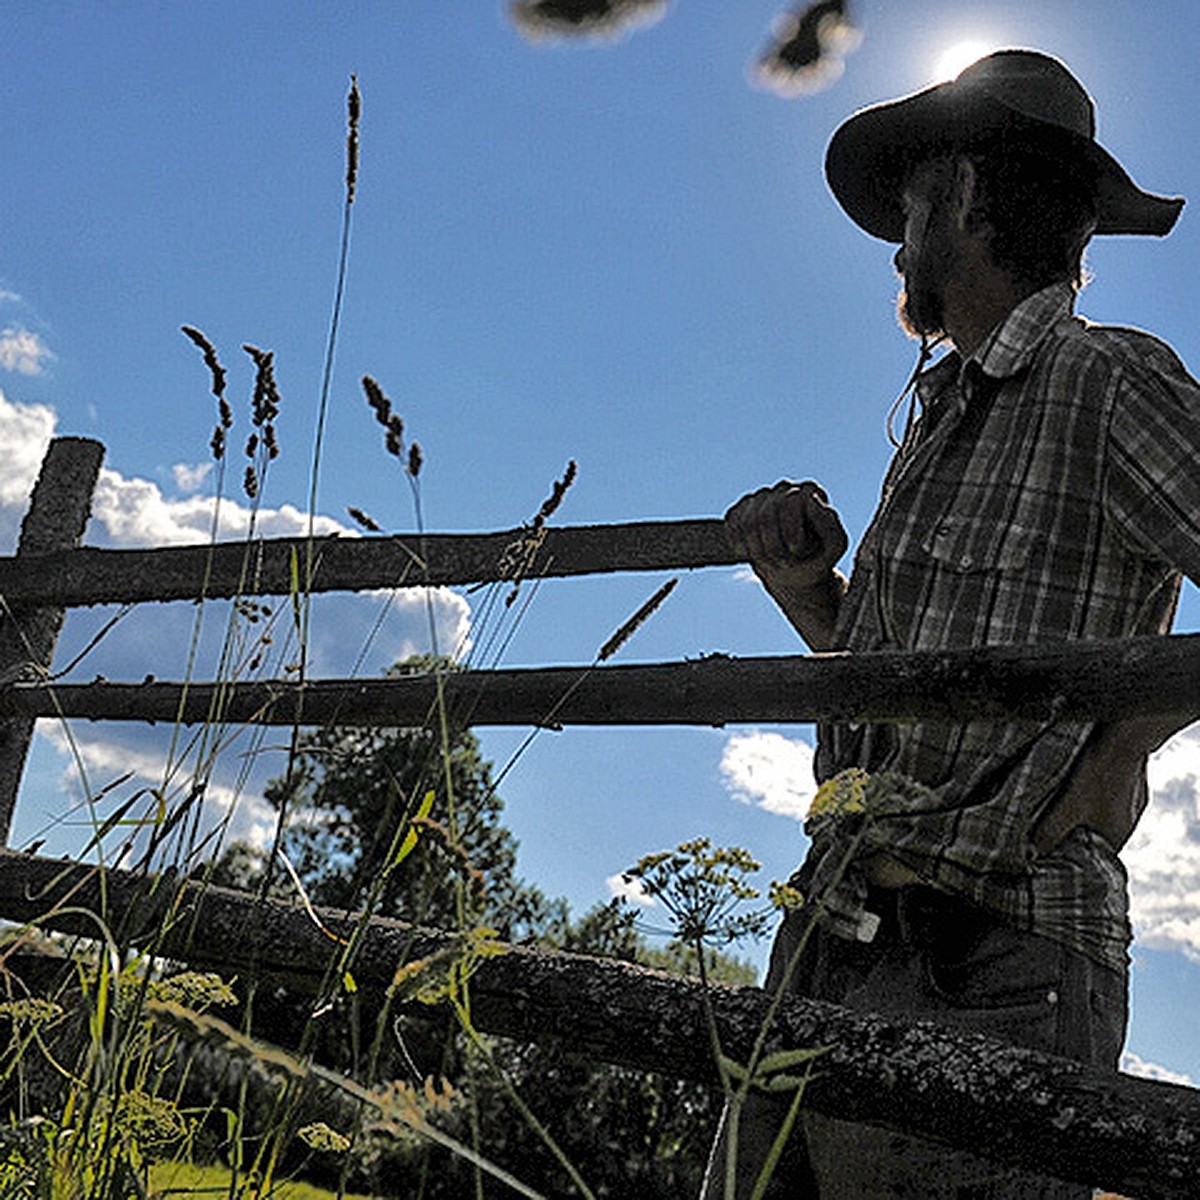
(1049, 490)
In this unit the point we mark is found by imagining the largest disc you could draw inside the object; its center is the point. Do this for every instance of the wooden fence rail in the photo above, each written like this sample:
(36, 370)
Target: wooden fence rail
(271, 566)
(1013, 1105)
(1101, 680)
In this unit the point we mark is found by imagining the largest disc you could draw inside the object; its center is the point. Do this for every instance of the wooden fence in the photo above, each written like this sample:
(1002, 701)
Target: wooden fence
(1011, 1104)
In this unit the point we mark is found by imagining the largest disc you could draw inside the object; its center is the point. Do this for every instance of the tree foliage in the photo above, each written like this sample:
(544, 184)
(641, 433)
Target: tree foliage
(355, 796)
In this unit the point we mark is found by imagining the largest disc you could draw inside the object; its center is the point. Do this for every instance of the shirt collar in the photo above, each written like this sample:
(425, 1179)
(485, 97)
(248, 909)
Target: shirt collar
(1010, 346)
(1008, 349)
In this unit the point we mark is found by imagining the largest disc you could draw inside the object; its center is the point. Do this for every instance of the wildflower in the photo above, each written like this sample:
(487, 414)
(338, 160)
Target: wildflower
(320, 1136)
(785, 897)
(150, 1120)
(415, 459)
(843, 795)
(197, 989)
(703, 887)
(34, 1009)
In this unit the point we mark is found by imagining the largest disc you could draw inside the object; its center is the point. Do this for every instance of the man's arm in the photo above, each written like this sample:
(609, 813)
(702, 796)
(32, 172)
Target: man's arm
(1107, 788)
(792, 538)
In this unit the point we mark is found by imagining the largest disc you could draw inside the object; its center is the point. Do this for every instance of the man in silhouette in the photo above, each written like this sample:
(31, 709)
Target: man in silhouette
(1045, 489)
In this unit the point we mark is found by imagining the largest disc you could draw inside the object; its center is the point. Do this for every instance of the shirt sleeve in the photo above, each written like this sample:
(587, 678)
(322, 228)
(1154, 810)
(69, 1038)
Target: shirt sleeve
(1153, 477)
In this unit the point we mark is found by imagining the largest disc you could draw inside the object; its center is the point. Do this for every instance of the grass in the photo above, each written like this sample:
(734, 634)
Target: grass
(186, 1179)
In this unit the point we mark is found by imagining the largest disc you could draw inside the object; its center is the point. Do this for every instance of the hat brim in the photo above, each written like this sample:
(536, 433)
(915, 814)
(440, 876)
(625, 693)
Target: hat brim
(872, 154)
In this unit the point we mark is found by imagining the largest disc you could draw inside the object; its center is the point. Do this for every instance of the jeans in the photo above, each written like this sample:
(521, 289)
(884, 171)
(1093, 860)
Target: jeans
(941, 958)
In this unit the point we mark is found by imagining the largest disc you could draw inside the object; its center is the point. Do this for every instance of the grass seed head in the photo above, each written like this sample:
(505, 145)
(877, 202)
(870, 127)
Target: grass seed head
(210, 359)
(630, 627)
(363, 519)
(266, 392)
(353, 114)
(557, 492)
(380, 404)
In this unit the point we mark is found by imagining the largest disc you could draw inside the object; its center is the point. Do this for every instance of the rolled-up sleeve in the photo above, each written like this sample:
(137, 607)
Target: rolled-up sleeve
(1152, 485)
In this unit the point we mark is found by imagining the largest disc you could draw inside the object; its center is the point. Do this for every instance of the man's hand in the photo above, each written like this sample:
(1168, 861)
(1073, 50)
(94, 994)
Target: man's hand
(792, 538)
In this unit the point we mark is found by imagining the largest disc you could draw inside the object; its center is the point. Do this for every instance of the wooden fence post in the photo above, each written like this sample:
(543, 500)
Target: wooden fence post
(58, 512)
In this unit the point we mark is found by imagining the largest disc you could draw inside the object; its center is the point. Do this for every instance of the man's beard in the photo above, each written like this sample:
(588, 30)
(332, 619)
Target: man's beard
(921, 304)
(921, 312)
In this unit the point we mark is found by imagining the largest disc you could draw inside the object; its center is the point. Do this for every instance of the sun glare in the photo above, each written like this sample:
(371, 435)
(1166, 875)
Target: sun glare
(955, 57)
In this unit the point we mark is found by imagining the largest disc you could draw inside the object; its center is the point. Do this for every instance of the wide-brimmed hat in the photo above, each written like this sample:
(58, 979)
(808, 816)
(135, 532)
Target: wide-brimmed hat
(872, 153)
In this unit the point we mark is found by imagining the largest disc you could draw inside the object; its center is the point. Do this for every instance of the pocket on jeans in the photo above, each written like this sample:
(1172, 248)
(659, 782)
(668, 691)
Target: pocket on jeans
(1004, 983)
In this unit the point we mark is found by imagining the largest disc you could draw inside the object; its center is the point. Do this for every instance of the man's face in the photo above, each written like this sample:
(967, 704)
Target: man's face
(927, 258)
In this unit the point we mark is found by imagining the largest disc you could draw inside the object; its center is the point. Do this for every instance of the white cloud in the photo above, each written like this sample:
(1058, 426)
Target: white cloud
(770, 770)
(190, 477)
(21, 350)
(1163, 856)
(1131, 1064)
(630, 890)
(25, 432)
(94, 761)
(134, 512)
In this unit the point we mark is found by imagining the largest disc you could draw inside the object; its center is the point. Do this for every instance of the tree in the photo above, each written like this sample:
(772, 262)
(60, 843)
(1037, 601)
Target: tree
(354, 795)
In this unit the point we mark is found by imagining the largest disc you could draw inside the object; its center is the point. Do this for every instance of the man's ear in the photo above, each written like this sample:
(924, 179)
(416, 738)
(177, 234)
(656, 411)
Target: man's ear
(966, 196)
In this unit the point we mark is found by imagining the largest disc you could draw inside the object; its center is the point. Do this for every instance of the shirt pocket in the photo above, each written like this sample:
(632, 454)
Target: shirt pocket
(979, 544)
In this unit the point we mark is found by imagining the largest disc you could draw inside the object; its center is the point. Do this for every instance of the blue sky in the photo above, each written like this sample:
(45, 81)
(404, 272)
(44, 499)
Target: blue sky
(622, 254)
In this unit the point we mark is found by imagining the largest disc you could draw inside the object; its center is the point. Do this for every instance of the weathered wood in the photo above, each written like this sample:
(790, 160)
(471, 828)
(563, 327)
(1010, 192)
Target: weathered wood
(1101, 680)
(1014, 1105)
(91, 575)
(58, 512)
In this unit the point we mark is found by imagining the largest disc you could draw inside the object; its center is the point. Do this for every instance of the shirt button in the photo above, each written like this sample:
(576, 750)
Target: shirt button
(965, 561)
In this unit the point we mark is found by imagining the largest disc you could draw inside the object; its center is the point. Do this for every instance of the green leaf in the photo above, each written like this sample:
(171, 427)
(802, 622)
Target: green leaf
(410, 838)
(733, 1068)
(782, 1060)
